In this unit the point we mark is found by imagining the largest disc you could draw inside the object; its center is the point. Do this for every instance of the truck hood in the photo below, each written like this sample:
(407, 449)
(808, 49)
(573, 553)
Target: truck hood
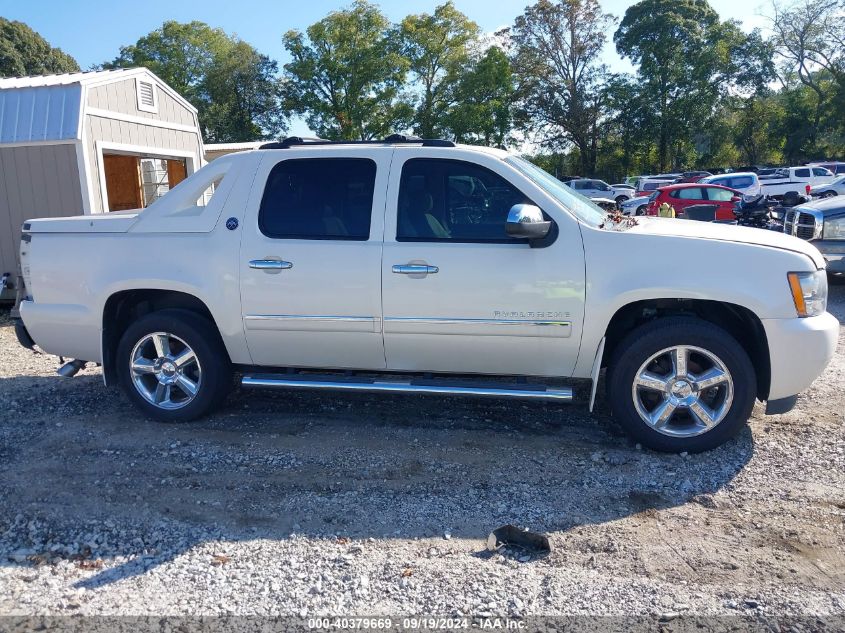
(114, 222)
(673, 227)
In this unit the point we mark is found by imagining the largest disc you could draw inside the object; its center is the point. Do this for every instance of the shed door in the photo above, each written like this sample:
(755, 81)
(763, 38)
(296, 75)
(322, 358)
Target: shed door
(123, 182)
(177, 171)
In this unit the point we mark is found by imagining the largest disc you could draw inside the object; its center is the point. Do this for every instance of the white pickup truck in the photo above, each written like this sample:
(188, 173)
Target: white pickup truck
(796, 180)
(424, 267)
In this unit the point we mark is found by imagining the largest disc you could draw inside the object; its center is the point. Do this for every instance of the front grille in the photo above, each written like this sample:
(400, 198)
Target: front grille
(801, 225)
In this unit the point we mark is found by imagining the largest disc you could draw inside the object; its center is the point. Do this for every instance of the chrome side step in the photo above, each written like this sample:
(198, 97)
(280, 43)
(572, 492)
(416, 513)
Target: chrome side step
(464, 388)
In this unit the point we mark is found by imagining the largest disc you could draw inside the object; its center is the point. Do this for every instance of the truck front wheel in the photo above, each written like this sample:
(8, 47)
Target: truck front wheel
(172, 365)
(681, 384)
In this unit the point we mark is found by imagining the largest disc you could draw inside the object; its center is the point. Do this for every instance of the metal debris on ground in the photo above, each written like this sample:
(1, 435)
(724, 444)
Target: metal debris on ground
(512, 536)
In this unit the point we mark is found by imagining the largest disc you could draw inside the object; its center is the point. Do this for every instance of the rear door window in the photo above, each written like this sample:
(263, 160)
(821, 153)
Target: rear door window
(740, 182)
(319, 199)
(802, 173)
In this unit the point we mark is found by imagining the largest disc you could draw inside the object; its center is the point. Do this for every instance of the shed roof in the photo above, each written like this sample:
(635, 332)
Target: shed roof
(48, 107)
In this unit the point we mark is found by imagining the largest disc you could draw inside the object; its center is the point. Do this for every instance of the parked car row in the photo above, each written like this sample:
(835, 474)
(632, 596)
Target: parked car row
(599, 189)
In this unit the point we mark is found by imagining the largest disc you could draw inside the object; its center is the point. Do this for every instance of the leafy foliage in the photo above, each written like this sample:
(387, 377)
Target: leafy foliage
(436, 47)
(25, 52)
(346, 74)
(704, 94)
(483, 101)
(233, 86)
(557, 45)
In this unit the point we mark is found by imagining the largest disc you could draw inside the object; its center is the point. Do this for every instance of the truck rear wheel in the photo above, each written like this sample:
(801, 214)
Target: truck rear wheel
(681, 384)
(172, 365)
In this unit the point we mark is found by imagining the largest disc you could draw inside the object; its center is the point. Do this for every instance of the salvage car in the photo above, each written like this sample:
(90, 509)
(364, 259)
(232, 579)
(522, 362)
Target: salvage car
(822, 223)
(679, 197)
(835, 188)
(421, 266)
(794, 180)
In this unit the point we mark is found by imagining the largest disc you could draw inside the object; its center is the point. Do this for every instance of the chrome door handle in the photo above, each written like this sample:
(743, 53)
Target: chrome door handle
(270, 264)
(415, 269)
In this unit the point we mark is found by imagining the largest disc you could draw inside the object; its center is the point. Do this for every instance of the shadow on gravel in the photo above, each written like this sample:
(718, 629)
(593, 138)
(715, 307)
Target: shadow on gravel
(836, 296)
(85, 478)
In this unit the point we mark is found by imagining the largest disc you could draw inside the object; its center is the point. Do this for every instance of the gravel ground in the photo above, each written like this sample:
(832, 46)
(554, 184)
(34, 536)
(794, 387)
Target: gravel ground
(311, 504)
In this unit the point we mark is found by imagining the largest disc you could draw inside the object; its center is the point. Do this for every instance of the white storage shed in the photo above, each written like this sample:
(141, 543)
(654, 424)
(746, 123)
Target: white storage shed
(88, 142)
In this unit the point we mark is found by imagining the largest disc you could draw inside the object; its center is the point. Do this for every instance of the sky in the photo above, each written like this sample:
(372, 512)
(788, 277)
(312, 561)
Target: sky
(92, 31)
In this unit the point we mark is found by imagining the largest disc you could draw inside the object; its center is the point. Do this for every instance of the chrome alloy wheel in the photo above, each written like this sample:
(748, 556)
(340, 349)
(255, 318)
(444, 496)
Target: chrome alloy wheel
(683, 391)
(165, 370)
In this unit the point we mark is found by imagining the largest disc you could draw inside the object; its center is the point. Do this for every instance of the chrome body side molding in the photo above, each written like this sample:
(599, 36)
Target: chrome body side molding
(309, 323)
(478, 327)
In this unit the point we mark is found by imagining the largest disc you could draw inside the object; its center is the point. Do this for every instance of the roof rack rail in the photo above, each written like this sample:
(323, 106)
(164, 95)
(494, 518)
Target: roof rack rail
(393, 139)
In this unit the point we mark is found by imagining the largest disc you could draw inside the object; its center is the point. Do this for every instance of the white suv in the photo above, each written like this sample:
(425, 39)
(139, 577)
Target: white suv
(424, 267)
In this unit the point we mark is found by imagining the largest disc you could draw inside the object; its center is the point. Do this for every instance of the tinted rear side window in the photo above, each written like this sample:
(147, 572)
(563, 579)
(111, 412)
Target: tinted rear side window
(740, 182)
(450, 200)
(802, 173)
(319, 199)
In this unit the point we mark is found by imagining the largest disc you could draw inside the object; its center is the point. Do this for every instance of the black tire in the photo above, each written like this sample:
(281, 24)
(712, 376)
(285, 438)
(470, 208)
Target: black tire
(640, 210)
(620, 200)
(203, 338)
(828, 194)
(647, 340)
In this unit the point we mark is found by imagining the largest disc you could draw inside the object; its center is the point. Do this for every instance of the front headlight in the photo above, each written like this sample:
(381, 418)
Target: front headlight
(834, 229)
(809, 292)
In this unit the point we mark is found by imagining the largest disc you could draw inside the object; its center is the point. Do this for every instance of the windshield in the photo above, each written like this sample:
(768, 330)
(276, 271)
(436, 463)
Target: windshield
(584, 208)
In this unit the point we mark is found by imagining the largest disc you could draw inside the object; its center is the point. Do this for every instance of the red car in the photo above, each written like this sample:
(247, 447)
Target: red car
(684, 195)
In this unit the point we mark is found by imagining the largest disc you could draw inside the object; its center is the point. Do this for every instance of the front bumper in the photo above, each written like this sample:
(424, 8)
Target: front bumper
(799, 350)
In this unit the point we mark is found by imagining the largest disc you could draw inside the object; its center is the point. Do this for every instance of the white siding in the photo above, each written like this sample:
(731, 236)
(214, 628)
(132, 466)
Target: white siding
(121, 96)
(38, 181)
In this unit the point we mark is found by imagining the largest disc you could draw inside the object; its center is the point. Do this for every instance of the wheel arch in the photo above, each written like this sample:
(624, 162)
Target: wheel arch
(737, 320)
(124, 306)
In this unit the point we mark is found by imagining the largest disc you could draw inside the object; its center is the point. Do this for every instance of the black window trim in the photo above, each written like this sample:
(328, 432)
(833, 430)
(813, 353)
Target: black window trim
(451, 240)
(331, 238)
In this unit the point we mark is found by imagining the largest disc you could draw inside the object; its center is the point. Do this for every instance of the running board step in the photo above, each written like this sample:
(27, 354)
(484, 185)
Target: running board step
(464, 388)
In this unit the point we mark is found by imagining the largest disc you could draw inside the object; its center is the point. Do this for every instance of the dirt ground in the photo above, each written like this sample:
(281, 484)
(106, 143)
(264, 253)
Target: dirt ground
(305, 504)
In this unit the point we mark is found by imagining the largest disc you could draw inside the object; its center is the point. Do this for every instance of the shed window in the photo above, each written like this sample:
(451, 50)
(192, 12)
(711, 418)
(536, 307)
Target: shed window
(147, 98)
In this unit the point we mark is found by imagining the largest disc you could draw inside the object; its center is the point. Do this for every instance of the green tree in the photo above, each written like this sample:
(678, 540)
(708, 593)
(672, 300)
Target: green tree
(243, 96)
(437, 49)
(234, 88)
(346, 73)
(182, 54)
(809, 38)
(25, 52)
(557, 46)
(483, 101)
(683, 62)
(756, 132)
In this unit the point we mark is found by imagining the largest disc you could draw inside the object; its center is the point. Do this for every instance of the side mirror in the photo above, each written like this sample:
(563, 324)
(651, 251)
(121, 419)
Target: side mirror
(526, 221)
